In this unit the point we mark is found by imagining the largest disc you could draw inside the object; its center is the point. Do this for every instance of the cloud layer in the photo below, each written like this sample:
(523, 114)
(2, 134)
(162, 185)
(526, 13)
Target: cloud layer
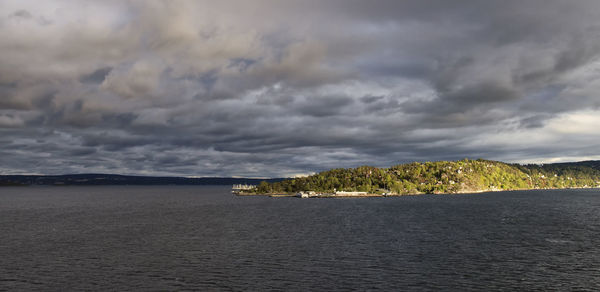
(277, 88)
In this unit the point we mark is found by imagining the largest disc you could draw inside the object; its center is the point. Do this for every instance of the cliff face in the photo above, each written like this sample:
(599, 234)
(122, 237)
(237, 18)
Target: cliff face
(444, 177)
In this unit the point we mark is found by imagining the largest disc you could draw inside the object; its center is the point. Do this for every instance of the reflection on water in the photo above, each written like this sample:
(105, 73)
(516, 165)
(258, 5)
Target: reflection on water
(203, 238)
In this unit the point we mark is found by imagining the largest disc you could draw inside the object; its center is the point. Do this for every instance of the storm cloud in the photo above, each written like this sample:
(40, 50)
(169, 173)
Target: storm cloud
(279, 88)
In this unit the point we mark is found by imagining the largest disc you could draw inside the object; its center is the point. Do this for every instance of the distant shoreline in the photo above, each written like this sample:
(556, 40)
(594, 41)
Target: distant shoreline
(370, 195)
(115, 179)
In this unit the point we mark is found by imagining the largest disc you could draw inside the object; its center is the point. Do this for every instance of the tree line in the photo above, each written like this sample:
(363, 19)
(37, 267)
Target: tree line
(443, 177)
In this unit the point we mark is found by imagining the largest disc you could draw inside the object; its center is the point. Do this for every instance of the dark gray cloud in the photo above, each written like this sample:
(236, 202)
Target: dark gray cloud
(22, 13)
(277, 88)
(97, 76)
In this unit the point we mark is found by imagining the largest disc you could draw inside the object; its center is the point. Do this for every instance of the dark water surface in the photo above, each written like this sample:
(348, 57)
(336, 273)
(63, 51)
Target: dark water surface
(203, 238)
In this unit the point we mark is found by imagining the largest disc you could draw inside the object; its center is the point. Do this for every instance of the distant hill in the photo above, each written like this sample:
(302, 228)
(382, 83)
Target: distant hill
(112, 179)
(444, 177)
(595, 164)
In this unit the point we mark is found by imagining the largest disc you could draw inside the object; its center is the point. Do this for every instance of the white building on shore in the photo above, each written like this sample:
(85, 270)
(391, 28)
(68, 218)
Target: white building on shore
(350, 193)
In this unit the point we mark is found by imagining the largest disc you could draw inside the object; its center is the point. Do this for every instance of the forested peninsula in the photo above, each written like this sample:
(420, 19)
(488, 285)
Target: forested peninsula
(441, 177)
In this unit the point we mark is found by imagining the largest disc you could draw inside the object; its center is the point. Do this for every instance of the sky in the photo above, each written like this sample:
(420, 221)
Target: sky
(285, 88)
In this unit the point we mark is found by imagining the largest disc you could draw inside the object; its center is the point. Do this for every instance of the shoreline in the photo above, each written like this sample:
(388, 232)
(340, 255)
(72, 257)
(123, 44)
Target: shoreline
(368, 195)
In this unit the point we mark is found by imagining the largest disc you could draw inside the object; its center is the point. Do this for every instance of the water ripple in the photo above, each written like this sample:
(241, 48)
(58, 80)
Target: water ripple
(202, 238)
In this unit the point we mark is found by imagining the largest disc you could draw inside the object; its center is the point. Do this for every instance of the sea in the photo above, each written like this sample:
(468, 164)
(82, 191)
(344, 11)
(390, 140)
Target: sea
(203, 238)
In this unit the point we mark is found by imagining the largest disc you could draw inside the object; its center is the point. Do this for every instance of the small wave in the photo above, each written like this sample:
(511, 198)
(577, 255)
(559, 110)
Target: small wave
(559, 241)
